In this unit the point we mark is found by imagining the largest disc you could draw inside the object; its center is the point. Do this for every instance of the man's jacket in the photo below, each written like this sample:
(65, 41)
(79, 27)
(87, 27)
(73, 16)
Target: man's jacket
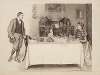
(12, 27)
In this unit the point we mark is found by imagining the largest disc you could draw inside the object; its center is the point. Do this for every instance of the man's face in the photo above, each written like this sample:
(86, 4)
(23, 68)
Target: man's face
(21, 17)
(79, 27)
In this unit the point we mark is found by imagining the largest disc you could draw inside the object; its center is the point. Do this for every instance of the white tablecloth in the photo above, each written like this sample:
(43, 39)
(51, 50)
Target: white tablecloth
(67, 53)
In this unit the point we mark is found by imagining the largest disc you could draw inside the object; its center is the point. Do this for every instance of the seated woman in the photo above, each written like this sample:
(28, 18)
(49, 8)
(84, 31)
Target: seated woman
(50, 36)
(66, 26)
(56, 29)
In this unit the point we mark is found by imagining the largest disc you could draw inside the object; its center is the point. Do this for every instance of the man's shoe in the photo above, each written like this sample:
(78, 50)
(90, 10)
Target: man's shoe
(10, 58)
(15, 59)
(18, 61)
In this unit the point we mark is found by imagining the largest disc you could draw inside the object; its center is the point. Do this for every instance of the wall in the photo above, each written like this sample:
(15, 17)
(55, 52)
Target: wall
(34, 26)
(70, 12)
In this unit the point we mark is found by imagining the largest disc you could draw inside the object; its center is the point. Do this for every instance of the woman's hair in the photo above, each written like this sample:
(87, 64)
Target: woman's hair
(19, 13)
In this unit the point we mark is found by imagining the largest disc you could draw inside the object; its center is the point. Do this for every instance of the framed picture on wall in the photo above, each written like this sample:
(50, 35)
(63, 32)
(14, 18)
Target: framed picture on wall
(79, 14)
(53, 7)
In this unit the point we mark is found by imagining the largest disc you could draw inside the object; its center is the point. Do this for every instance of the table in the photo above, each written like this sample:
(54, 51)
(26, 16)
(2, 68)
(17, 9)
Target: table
(52, 53)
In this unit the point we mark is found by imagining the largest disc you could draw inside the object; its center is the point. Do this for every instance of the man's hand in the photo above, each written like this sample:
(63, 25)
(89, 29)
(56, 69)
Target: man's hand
(24, 36)
(12, 37)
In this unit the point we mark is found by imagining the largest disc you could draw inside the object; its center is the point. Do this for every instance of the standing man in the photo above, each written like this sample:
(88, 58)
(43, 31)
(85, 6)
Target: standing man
(16, 33)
